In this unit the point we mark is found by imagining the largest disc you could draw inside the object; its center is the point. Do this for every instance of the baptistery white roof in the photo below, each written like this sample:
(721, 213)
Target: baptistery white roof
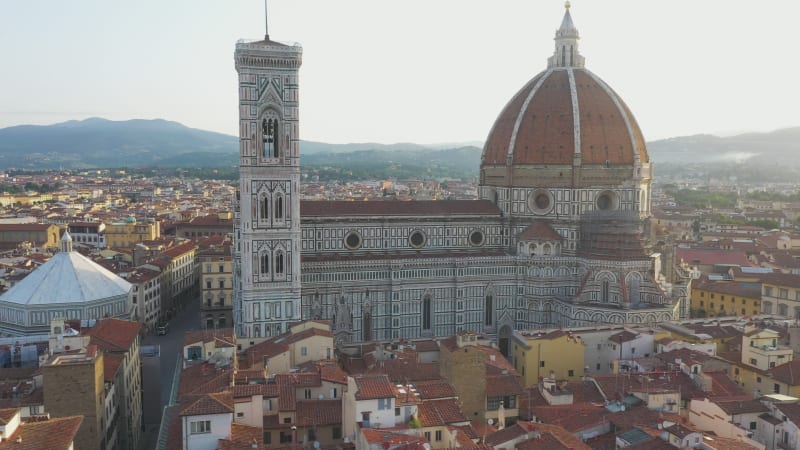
(68, 277)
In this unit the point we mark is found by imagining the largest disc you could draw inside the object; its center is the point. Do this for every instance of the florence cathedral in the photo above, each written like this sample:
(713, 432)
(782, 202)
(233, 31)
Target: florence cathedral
(559, 236)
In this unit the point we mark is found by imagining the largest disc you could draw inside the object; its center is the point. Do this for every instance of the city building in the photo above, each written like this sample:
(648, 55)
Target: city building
(37, 234)
(220, 224)
(146, 295)
(51, 434)
(130, 232)
(780, 294)
(179, 276)
(559, 236)
(556, 354)
(215, 259)
(74, 384)
(69, 285)
(724, 298)
(120, 342)
(90, 234)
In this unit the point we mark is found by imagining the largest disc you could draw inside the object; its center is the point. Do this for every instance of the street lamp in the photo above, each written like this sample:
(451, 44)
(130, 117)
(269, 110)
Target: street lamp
(294, 436)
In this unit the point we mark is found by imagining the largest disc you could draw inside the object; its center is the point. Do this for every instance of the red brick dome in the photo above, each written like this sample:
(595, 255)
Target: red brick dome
(565, 126)
(562, 114)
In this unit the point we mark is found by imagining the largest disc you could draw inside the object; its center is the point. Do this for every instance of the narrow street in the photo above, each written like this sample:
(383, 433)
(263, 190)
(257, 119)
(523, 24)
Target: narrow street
(170, 346)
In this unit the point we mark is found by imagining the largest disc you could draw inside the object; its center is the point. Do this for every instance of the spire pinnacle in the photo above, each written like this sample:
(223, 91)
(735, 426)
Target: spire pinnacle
(567, 36)
(266, 21)
(66, 242)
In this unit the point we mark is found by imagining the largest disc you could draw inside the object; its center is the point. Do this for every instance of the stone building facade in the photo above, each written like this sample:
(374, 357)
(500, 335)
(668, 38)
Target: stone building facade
(559, 236)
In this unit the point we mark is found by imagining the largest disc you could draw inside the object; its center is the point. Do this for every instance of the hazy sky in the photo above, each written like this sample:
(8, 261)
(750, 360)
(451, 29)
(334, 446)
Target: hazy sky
(407, 70)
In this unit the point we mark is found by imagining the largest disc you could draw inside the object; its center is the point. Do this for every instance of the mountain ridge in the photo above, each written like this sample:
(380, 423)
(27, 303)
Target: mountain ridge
(97, 142)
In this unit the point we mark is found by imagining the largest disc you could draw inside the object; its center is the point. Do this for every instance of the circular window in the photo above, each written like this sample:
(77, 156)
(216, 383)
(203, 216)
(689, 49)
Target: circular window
(476, 238)
(606, 201)
(417, 239)
(540, 201)
(352, 240)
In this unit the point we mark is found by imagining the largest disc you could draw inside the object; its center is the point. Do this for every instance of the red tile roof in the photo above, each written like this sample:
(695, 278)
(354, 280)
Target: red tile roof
(339, 208)
(111, 364)
(371, 387)
(6, 414)
(540, 230)
(434, 413)
(503, 385)
(52, 434)
(431, 389)
(243, 437)
(319, 412)
(216, 403)
(114, 335)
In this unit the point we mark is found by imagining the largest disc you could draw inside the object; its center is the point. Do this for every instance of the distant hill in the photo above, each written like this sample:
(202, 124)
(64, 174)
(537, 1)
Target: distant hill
(783, 144)
(99, 142)
(134, 143)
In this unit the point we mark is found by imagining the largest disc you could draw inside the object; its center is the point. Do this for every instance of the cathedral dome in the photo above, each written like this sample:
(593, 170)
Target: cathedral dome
(565, 116)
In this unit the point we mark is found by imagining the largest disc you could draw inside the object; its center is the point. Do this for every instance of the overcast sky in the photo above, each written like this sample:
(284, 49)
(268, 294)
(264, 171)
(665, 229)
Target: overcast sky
(424, 71)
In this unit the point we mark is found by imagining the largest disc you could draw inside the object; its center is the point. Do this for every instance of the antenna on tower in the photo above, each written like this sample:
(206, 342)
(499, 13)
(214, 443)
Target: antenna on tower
(266, 21)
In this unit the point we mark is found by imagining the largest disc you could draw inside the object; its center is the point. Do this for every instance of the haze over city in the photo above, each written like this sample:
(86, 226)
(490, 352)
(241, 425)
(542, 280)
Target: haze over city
(411, 71)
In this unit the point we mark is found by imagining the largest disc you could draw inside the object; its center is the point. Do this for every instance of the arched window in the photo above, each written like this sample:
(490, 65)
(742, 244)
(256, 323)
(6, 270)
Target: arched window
(604, 292)
(279, 207)
(634, 290)
(279, 263)
(270, 133)
(257, 330)
(264, 204)
(571, 55)
(488, 312)
(265, 263)
(563, 55)
(426, 312)
(256, 311)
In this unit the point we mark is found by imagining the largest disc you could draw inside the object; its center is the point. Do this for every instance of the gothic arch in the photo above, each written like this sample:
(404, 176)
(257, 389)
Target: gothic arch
(605, 275)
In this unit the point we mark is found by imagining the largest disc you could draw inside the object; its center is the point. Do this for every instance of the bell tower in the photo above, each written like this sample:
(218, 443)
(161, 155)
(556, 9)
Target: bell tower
(267, 203)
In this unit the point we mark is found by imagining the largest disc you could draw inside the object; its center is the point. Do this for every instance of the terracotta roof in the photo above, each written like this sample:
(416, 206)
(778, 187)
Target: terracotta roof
(180, 249)
(371, 387)
(114, 335)
(223, 336)
(249, 390)
(742, 407)
(111, 364)
(6, 414)
(431, 389)
(25, 226)
(52, 434)
(540, 230)
(788, 373)
(287, 400)
(393, 439)
(502, 385)
(426, 345)
(299, 379)
(319, 412)
(216, 403)
(332, 373)
(434, 413)
(416, 208)
(623, 336)
(713, 257)
(201, 379)
(243, 437)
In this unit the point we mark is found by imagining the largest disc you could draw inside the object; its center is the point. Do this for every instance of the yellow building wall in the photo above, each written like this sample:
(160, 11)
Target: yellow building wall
(538, 357)
(707, 303)
(129, 234)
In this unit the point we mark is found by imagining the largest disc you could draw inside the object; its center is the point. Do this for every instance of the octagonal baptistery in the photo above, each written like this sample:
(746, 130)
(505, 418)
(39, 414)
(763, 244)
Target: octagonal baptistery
(566, 147)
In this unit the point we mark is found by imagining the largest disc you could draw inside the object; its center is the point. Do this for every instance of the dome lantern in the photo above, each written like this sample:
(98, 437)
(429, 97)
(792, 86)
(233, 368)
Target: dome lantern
(566, 53)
